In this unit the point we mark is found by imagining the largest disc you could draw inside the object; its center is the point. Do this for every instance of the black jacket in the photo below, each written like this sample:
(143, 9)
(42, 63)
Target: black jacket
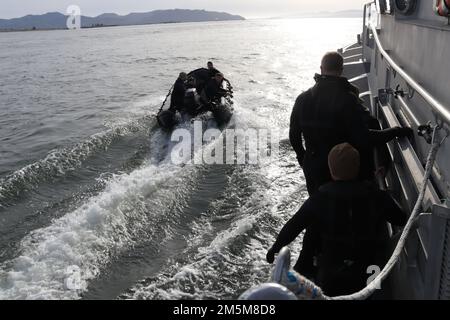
(214, 91)
(349, 218)
(348, 215)
(327, 114)
(213, 71)
(202, 77)
(177, 98)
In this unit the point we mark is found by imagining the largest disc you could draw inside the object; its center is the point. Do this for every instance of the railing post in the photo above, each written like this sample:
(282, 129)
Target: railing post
(363, 41)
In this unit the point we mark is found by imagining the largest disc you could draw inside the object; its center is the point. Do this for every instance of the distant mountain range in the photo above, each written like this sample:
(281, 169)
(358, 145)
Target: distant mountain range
(56, 20)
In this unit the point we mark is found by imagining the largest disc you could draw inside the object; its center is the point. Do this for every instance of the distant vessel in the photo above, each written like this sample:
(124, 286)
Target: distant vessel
(400, 64)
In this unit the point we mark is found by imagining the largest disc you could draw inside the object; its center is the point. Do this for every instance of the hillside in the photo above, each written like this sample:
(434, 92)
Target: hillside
(56, 20)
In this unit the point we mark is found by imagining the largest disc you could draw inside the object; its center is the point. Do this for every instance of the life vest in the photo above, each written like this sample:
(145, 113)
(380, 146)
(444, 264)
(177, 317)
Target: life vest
(442, 7)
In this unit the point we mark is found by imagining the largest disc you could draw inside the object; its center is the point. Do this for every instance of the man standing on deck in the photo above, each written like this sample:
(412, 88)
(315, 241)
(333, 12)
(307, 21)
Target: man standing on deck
(327, 114)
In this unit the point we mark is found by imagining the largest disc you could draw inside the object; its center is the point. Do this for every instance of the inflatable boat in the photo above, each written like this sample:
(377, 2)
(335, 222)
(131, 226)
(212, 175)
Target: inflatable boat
(196, 107)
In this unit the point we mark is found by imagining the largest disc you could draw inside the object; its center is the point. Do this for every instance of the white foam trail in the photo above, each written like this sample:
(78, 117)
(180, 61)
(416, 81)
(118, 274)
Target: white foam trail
(61, 161)
(172, 287)
(58, 262)
(194, 280)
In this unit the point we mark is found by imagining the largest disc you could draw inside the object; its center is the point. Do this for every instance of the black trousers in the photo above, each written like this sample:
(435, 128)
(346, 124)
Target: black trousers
(316, 171)
(339, 279)
(310, 249)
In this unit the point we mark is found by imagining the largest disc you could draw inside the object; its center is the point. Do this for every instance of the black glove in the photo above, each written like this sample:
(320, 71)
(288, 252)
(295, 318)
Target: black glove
(270, 257)
(404, 132)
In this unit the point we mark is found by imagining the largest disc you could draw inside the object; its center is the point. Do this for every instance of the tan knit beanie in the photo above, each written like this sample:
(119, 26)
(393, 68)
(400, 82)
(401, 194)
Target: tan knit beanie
(344, 162)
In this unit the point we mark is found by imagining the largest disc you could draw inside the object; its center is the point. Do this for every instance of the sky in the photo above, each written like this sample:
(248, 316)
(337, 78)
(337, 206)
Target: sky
(247, 8)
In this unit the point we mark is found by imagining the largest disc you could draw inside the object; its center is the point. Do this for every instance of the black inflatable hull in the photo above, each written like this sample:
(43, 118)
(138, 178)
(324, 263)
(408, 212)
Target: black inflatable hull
(223, 114)
(167, 120)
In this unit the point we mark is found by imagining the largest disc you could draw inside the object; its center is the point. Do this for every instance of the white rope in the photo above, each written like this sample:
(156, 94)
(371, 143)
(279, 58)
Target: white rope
(375, 284)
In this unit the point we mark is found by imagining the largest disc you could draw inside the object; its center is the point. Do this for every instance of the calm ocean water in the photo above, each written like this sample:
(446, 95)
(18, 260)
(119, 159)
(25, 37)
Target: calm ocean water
(89, 209)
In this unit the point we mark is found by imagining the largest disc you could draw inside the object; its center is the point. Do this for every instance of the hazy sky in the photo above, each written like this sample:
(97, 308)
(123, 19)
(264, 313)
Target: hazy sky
(247, 8)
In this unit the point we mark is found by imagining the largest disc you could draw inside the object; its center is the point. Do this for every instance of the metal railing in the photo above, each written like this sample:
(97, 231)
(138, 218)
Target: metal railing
(438, 108)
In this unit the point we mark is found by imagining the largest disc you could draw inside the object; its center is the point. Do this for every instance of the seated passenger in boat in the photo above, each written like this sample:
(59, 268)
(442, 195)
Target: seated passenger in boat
(192, 102)
(178, 93)
(214, 90)
(201, 76)
(212, 71)
(191, 82)
(348, 216)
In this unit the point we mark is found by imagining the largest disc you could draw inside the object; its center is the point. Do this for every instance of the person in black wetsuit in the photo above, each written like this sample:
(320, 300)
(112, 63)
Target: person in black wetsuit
(214, 90)
(348, 215)
(178, 93)
(192, 103)
(212, 71)
(203, 76)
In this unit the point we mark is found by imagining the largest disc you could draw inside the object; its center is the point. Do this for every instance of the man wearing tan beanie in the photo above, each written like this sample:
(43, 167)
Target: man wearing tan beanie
(348, 215)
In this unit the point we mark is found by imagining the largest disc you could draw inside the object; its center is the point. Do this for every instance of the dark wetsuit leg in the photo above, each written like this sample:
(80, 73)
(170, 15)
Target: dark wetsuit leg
(310, 248)
(336, 280)
(316, 172)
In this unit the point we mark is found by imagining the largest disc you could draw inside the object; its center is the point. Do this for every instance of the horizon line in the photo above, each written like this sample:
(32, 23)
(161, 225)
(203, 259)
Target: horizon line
(237, 14)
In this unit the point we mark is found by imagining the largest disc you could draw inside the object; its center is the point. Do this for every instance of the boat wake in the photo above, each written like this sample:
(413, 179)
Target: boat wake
(58, 261)
(235, 229)
(62, 161)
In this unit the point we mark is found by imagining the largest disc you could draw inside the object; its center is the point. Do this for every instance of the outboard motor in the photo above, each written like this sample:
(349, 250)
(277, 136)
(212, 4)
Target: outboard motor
(222, 113)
